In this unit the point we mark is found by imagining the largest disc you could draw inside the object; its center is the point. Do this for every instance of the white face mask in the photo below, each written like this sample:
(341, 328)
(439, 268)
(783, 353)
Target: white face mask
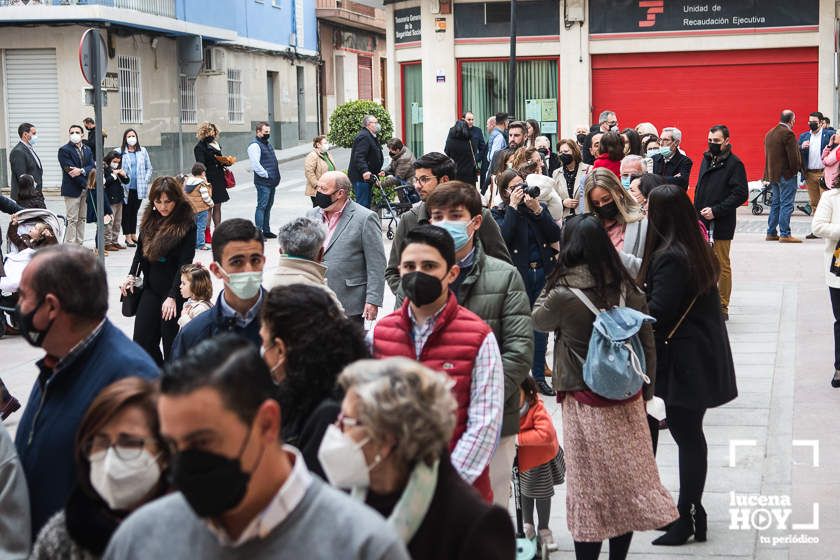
(131, 141)
(115, 165)
(343, 460)
(33, 139)
(244, 285)
(122, 484)
(75, 137)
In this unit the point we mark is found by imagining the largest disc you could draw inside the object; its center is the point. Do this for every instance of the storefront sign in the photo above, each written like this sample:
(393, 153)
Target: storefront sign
(440, 25)
(407, 25)
(644, 16)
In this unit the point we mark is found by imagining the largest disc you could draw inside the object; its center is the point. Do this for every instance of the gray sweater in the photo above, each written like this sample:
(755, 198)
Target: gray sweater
(326, 524)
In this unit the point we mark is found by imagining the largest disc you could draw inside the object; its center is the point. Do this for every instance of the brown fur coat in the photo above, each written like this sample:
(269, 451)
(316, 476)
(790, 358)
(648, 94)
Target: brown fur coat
(161, 235)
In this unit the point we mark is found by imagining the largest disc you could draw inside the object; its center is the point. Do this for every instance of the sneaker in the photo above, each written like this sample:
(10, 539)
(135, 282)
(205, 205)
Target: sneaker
(789, 239)
(529, 531)
(545, 388)
(269, 235)
(811, 236)
(771, 237)
(835, 381)
(547, 538)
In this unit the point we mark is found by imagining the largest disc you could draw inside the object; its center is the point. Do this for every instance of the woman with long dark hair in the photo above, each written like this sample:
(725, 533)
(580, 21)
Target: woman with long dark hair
(613, 482)
(694, 369)
(138, 166)
(206, 151)
(610, 153)
(532, 131)
(569, 177)
(166, 243)
(297, 323)
(632, 142)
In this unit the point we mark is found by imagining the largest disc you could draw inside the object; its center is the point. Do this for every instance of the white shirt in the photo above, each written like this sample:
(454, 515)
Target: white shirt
(815, 150)
(254, 153)
(284, 503)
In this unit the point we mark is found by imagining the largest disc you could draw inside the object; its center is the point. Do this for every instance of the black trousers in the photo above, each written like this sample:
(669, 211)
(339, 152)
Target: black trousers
(835, 307)
(129, 218)
(619, 546)
(653, 426)
(150, 329)
(686, 427)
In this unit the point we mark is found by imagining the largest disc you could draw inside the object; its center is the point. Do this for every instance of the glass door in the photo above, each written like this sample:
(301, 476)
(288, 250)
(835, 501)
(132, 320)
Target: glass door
(412, 106)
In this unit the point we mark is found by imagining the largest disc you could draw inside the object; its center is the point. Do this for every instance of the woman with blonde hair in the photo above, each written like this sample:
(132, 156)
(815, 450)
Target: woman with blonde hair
(206, 151)
(620, 215)
(317, 162)
(389, 447)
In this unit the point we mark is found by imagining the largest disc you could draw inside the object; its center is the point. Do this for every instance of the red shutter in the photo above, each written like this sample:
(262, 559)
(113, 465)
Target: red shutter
(745, 90)
(365, 77)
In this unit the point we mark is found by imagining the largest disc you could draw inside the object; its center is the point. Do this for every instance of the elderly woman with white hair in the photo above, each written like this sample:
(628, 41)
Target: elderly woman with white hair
(389, 447)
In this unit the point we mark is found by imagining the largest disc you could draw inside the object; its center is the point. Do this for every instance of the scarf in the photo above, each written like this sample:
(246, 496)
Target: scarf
(161, 235)
(414, 503)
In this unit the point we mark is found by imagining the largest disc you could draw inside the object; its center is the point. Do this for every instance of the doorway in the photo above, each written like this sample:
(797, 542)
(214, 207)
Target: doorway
(301, 102)
(270, 80)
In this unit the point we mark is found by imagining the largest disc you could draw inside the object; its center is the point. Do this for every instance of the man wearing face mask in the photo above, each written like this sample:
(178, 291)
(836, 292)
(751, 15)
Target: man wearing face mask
(353, 250)
(551, 161)
(23, 160)
(76, 161)
(493, 290)
(632, 167)
(607, 122)
(85, 352)
(238, 260)
(812, 143)
(671, 163)
(365, 159)
(241, 492)
(266, 176)
(721, 189)
(432, 328)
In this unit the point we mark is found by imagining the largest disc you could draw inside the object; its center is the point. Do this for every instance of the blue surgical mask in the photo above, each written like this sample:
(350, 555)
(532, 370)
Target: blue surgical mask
(625, 182)
(458, 231)
(653, 151)
(665, 151)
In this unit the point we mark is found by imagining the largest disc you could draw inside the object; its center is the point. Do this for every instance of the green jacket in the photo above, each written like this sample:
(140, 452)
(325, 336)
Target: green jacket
(494, 291)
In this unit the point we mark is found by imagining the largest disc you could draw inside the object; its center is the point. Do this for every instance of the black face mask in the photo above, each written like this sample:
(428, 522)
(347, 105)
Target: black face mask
(566, 159)
(715, 149)
(266, 137)
(323, 200)
(32, 335)
(543, 152)
(607, 211)
(813, 126)
(212, 484)
(581, 138)
(421, 288)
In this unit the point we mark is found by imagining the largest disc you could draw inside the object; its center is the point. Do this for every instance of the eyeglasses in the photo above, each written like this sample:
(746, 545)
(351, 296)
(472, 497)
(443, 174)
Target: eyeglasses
(126, 447)
(424, 179)
(344, 422)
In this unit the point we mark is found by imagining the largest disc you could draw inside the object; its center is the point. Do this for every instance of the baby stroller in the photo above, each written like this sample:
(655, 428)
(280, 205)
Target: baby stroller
(526, 549)
(406, 196)
(16, 259)
(763, 197)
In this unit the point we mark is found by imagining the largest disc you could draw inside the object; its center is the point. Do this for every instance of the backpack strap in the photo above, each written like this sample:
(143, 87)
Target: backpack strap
(585, 300)
(680, 322)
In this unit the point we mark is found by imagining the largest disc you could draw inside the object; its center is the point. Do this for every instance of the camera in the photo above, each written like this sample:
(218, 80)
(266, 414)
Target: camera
(531, 190)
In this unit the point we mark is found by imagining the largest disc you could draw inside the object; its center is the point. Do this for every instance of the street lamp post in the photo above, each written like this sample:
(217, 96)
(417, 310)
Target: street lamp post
(511, 105)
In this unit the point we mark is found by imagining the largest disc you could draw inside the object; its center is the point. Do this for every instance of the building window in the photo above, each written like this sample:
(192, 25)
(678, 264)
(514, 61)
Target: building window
(365, 73)
(492, 19)
(187, 92)
(131, 94)
(234, 83)
(484, 87)
(412, 105)
(299, 12)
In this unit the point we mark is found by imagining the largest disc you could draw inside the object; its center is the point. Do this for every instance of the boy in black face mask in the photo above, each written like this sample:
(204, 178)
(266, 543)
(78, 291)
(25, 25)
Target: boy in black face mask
(239, 486)
(433, 329)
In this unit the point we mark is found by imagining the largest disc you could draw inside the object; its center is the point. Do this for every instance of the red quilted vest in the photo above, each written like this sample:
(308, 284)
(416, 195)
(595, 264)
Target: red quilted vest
(451, 348)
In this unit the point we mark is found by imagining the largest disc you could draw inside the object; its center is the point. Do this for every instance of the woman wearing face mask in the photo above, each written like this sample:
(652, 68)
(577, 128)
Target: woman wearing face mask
(389, 446)
(166, 243)
(114, 185)
(121, 458)
(620, 215)
(317, 162)
(550, 160)
(606, 442)
(402, 161)
(568, 179)
(296, 321)
(138, 167)
(610, 153)
(529, 231)
(205, 151)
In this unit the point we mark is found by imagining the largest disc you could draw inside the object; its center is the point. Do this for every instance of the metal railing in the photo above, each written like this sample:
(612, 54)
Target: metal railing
(165, 8)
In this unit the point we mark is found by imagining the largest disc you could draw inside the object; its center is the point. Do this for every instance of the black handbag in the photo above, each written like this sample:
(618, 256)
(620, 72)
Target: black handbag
(131, 300)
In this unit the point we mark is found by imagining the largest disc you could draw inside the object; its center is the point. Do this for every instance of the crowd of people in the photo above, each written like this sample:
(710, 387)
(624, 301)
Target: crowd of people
(237, 425)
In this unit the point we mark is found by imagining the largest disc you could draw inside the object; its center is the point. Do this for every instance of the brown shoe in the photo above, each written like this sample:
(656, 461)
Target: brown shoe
(789, 239)
(111, 247)
(547, 371)
(771, 237)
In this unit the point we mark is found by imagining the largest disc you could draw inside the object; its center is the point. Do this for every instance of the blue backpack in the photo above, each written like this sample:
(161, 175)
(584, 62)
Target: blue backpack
(614, 367)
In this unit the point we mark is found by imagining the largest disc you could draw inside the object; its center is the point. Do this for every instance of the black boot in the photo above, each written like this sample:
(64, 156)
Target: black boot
(691, 522)
(835, 381)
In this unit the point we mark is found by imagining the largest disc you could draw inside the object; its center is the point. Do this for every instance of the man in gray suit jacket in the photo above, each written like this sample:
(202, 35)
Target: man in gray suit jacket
(23, 160)
(353, 249)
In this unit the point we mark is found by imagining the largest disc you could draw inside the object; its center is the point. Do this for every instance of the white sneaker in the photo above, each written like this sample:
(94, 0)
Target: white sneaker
(547, 538)
(530, 533)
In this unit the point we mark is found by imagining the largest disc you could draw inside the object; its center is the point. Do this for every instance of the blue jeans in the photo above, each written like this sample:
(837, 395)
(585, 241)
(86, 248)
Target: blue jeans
(534, 283)
(362, 191)
(265, 200)
(200, 225)
(781, 206)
